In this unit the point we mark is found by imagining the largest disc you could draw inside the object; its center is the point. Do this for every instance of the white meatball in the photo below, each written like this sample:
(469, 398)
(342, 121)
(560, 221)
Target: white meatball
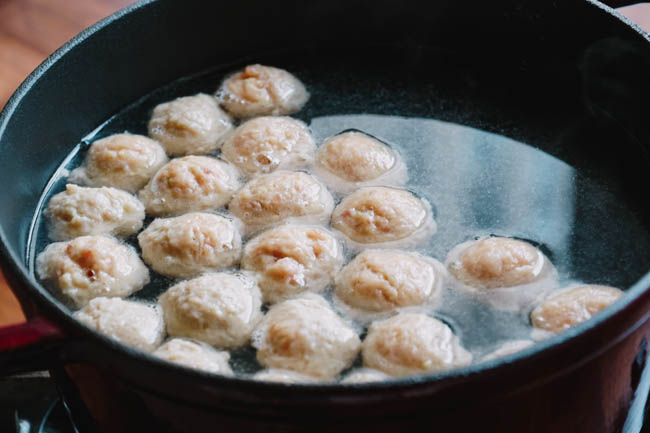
(508, 348)
(411, 343)
(132, 323)
(125, 161)
(190, 125)
(261, 91)
(283, 376)
(80, 211)
(571, 306)
(352, 160)
(195, 355)
(365, 375)
(191, 183)
(305, 335)
(190, 244)
(92, 266)
(219, 309)
(506, 273)
(282, 196)
(265, 144)
(293, 259)
(384, 280)
(378, 215)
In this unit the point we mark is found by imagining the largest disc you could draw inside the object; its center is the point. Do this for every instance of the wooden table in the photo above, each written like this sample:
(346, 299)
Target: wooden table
(31, 29)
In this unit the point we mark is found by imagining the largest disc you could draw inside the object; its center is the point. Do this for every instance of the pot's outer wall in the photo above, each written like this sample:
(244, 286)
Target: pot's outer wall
(581, 385)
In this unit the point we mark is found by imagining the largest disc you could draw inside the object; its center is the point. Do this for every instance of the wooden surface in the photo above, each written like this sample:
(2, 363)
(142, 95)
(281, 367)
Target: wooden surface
(31, 29)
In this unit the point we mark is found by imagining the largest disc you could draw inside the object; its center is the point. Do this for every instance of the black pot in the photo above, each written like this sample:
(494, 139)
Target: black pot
(569, 77)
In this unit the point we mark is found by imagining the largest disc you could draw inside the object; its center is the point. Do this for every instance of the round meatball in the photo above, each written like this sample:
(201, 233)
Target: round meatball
(125, 161)
(190, 244)
(283, 376)
(376, 215)
(508, 348)
(571, 306)
(219, 309)
(132, 323)
(195, 355)
(365, 375)
(191, 183)
(282, 196)
(305, 335)
(383, 280)
(262, 91)
(80, 211)
(92, 266)
(265, 144)
(411, 343)
(292, 259)
(190, 125)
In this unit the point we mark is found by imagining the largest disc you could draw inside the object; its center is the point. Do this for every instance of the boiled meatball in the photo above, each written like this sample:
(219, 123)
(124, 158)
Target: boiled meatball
(365, 375)
(292, 259)
(219, 309)
(190, 244)
(383, 280)
(265, 144)
(508, 348)
(283, 376)
(375, 215)
(92, 266)
(80, 211)
(190, 125)
(571, 306)
(191, 183)
(411, 343)
(282, 196)
(305, 335)
(132, 323)
(262, 91)
(195, 355)
(125, 161)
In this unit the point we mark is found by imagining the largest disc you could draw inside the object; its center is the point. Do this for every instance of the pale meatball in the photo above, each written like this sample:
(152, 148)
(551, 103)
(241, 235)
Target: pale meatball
(282, 196)
(191, 183)
(508, 348)
(190, 125)
(195, 355)
(132, 323)
(283, 376)
(411, 343)
(365, 375)
(80, 211)
(265, 144)
(384, 280)
(190, 244)
(125, 161)
(262, 91)
(305, 335)
(376, 215)
(293, 259)
(219, 309)
(571, 306)
(92, 266)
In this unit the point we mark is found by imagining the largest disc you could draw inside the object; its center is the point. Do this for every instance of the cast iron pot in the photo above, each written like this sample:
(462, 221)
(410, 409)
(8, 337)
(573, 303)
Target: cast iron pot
(570, 77)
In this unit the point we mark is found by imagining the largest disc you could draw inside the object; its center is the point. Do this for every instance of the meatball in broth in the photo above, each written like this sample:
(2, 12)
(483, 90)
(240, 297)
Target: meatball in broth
(195, 355)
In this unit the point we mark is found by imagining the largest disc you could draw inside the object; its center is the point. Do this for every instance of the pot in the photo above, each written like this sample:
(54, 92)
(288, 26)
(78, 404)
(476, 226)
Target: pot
(568, 77)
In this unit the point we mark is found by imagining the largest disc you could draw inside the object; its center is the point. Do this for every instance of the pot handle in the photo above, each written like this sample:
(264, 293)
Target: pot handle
(30, 346)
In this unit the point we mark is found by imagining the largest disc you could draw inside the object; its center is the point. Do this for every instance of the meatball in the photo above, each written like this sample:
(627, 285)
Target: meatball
(383, 280)
(282, 196)
(92, 266)
(571, 306)
(283, 376)
(265, 144)
(411, 343)
(191, 183)
(375, 215)
(305, 335)
(80, 211)
(132, 323)
(190, 244)
(195, 355)
(292, 259)
(508, 348)
(125, 161)
(190, 125)
(219, 309)
(365, 375)
(261, 91)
